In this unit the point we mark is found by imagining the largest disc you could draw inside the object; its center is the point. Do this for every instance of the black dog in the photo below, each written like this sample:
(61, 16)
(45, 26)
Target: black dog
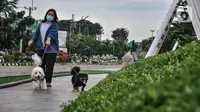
(78, 79)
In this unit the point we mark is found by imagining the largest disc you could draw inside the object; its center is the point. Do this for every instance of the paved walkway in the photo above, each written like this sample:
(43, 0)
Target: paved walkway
(24, 99)
(26, 70)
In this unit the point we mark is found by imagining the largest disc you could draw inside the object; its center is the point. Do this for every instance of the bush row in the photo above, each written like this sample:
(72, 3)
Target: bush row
(156, 84)
(18, 57)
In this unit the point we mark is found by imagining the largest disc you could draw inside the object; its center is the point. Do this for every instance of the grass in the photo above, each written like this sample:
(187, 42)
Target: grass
(4, 80)
(84, 71)
(9, 79)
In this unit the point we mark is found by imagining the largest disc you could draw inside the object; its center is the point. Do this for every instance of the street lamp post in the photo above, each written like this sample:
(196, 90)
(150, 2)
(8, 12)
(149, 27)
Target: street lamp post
(113, 47)
(152, 32)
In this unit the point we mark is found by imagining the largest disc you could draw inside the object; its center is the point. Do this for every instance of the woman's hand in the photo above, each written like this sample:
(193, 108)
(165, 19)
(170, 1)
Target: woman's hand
(48, 42)
(30, 43)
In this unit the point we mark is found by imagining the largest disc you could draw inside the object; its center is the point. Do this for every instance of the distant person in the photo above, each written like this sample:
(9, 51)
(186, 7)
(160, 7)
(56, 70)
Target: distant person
(46, 35)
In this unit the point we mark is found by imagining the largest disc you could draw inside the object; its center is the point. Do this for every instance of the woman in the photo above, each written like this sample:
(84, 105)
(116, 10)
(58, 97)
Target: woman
(45, 40)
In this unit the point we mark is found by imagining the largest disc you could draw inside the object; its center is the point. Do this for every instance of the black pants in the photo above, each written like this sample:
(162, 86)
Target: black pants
(48, 62)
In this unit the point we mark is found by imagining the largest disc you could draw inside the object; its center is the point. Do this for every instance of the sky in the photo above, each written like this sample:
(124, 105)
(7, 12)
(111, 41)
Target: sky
(138, 16)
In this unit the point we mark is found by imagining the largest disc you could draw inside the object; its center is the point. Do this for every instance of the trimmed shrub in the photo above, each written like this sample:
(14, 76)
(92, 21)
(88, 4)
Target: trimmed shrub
(167, 82)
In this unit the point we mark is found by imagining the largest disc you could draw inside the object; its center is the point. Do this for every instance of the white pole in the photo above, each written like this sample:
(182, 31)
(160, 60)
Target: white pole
(176, 45)
(21, 42)
(157, 43)
(194, 21)
(197, 4)
(194, 12)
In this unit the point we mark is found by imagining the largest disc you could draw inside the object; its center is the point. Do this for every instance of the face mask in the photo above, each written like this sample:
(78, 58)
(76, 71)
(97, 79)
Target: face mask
(49, 18)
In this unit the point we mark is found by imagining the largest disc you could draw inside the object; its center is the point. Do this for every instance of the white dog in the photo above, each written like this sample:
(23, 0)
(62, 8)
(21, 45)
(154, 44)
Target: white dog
(38, 76)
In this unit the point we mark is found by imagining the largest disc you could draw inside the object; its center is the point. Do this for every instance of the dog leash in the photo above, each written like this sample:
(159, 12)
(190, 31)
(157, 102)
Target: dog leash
(61, 57)
(44, 52)
(64, 61)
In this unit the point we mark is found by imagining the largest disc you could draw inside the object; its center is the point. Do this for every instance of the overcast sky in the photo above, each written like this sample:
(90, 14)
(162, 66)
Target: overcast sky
(138, 16)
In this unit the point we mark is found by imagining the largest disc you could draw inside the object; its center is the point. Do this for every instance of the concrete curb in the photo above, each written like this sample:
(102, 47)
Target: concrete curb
(12, 84)
(16, 64)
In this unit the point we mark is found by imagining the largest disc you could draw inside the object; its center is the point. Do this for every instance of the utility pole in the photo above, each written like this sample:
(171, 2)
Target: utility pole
(30, 8)
(73, 24)
(70, 31)
(80, 23)
(30, 11)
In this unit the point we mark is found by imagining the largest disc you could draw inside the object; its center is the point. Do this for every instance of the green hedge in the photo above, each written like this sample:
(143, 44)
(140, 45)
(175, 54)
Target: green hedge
(18, 57)
(167, 82)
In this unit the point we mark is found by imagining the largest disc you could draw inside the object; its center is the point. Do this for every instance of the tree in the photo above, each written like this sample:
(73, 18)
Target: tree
(95, 29)
(182, 31)
(12, 29)
(64, 25)
(88, 46)
(84, 27)
(120, 51)
(7, 6)
(120, 34)
(146, 43)
(6, 34)
(83, 45)
(133, 46)
(20, 30)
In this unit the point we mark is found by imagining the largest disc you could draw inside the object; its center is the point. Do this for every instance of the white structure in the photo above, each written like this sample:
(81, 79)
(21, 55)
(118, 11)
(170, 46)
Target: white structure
(62, 40)
(127, 59)
(176, 45)
(193, 9)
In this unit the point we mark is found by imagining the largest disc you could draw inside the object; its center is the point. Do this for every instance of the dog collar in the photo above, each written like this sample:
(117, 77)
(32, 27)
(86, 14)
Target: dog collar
(34, 79)
(41, 79)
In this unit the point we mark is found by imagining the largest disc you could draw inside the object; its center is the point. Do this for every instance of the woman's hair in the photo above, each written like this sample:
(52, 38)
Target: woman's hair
(55, 16)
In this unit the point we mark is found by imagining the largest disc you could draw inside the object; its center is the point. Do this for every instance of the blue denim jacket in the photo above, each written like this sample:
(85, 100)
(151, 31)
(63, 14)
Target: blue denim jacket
(52, 32)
